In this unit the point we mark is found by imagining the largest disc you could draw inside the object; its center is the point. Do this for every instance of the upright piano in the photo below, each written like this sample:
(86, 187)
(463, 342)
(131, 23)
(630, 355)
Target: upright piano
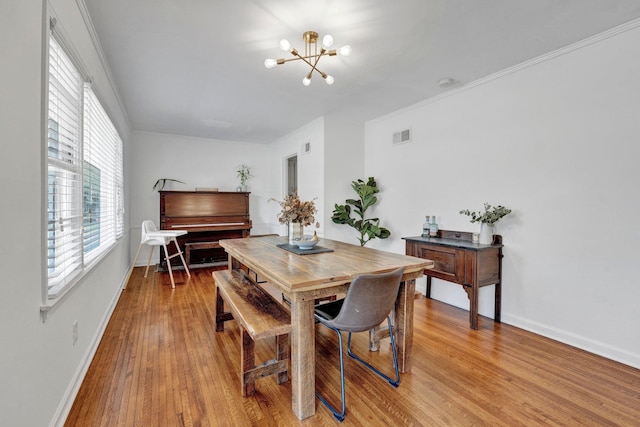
(208, 217)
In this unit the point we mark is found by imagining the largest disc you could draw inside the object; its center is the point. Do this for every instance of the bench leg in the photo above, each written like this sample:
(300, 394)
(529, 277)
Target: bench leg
(219, 311)
(282, 353)
(221, 315)
(247, 362)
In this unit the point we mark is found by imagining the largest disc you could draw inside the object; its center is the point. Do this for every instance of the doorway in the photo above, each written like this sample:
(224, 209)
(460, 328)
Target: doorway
(292, 175)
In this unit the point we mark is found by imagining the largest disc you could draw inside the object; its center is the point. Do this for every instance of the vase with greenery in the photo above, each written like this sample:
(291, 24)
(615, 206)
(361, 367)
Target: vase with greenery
(244, 173)
(369, 228)
(297, 214)
(487, 219)
(162, 182)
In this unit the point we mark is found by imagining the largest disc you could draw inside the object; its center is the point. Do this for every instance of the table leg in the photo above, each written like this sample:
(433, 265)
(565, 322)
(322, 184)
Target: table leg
(404, 323)
(303, 355)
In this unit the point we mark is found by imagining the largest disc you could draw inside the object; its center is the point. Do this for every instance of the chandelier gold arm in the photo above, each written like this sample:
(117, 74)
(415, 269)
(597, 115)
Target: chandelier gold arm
(308, 59)
(313, 67)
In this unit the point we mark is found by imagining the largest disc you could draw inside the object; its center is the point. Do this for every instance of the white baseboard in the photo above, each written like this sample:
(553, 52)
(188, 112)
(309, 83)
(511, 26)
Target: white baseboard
(69, 397)
(586, 344)
(453, 296)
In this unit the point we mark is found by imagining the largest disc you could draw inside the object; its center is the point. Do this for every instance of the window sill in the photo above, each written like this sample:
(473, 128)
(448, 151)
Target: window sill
(59, 293)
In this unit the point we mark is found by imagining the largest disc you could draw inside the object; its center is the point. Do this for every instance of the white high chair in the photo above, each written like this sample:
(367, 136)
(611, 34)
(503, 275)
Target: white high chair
(153, 237)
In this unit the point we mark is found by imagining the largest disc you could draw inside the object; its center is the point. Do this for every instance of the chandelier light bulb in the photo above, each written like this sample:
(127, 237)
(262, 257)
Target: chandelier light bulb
(329, 79)
(285, 45)
(345, 50)
(306, 81)
(327, 41)
(270, 63)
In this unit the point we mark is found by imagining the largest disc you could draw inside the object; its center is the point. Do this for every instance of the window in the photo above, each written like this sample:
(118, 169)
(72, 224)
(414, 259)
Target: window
(85, 212)
(102, 179)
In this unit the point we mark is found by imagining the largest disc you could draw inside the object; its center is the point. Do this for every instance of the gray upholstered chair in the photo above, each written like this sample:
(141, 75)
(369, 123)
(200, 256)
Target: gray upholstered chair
(368, 302)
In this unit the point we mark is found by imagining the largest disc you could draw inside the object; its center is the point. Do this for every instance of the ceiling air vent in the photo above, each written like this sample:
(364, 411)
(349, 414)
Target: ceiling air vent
(402, 137)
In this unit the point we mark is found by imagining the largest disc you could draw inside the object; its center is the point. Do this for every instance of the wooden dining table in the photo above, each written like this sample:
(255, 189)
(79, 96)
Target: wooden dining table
(304, 278)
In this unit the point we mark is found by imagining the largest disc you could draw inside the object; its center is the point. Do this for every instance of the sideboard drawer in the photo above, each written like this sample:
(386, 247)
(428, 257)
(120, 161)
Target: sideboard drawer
(449, 262)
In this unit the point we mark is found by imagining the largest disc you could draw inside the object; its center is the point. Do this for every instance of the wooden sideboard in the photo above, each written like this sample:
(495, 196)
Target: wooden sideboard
(208, 217)
(458, 260)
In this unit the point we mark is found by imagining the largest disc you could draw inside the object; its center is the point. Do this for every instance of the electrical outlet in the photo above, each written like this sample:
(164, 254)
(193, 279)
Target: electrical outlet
(75, 332)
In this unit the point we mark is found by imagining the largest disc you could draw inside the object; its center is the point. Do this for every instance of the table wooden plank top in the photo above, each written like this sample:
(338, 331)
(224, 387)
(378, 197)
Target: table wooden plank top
(298, 273)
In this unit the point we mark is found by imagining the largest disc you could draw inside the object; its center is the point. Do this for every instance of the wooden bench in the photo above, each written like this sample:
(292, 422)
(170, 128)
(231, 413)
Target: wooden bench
(258, 316)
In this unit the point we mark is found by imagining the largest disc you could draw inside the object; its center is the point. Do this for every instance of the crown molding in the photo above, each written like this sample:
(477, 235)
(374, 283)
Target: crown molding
(82, 7)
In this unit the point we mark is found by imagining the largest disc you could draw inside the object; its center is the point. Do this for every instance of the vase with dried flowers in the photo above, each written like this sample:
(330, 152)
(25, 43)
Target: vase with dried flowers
(297, 214)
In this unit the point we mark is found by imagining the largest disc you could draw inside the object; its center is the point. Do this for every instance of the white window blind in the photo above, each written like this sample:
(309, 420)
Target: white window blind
(119, 185)
(85, 211)
(102, 177)
(64, 207)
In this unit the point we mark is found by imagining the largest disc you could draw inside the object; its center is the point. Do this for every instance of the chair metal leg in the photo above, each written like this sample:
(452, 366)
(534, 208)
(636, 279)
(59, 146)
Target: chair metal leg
(395, 382)
(339, 415)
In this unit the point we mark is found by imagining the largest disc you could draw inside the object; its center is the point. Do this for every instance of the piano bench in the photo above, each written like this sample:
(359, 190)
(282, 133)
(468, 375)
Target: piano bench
(259, 317)
(188, 247)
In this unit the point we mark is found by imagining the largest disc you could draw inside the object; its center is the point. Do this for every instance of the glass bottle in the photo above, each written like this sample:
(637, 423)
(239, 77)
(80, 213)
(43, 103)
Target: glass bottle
(433, 227)
(426, 226)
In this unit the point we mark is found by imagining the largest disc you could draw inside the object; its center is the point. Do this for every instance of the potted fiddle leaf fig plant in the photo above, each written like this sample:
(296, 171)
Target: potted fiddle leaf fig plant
(369, 228)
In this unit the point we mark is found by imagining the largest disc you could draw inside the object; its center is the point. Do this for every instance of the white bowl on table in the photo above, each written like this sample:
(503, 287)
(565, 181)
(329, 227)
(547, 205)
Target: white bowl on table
(306, 242)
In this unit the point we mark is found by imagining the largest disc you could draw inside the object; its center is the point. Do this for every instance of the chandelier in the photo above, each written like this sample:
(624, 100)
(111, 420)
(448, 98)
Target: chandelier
(311, 55)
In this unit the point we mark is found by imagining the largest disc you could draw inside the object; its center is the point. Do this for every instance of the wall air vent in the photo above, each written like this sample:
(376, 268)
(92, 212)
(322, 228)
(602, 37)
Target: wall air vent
(306, 148)
(402, 137)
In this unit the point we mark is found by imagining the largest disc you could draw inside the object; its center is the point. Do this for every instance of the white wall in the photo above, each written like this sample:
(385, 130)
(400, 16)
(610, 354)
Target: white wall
(325, 173)
(40, 368)
(198, 162)
(344, 163)
(557, 142)
(310, 171)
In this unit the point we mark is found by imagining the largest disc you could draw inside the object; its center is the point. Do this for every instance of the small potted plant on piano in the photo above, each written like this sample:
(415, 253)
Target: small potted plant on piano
(244, 173)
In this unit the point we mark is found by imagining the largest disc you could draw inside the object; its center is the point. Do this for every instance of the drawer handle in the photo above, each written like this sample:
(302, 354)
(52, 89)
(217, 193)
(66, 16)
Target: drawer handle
(458, 234)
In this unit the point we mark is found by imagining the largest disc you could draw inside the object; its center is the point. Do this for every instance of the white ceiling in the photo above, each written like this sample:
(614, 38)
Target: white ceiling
(195, 67)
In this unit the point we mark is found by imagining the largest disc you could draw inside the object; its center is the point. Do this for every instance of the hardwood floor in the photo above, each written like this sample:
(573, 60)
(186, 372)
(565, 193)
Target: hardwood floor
(161, 363)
